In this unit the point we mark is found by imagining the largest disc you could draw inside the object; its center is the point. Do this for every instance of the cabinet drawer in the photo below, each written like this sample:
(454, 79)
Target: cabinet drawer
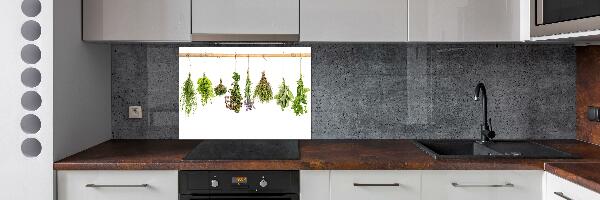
(560, 189)
(117, 185)
(482, 185)
(375, 185)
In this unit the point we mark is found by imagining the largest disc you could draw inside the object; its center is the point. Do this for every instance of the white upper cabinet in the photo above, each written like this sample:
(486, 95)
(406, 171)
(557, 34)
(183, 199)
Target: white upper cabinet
(136, 20)
(468, 20)
(245, 20)
(354, 20)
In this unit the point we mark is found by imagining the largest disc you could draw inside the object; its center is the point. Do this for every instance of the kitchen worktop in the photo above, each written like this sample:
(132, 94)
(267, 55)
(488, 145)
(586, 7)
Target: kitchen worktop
(331, 155)
(314, 154)
(584, 174)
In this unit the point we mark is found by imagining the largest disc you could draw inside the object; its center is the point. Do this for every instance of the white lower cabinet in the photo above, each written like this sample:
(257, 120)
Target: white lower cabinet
(482, 185)
(375, 185)
(560, 189)
(314, 184)
(117, 185)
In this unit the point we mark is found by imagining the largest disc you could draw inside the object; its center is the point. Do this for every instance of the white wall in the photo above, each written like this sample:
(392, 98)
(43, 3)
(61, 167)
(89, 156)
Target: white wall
(23, 177)
(81, 84)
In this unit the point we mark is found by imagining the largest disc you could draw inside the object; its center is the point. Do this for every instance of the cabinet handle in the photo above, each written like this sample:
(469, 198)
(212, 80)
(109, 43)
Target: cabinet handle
(562, 195)
(376, 184)
(493, 185)
(115, 186)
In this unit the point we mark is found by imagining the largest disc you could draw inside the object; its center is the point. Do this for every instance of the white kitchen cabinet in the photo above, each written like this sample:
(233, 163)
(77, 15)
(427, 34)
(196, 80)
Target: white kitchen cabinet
(468, 21)
(482, 185)
(314, 184)
(266, 20)
(375, 185)
(117, 185)
(354, 20)
(560, 189)
(136, 20)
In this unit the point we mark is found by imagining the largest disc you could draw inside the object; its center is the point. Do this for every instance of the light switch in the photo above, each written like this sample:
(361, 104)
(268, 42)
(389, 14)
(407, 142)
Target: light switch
(135, 112)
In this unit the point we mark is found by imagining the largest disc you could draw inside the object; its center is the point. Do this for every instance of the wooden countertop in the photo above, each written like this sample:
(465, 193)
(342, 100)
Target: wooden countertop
(314, 155)
(584, 174)
(331, 155)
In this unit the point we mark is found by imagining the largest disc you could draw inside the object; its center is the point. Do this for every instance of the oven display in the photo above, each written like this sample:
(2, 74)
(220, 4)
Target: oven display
(239, 180)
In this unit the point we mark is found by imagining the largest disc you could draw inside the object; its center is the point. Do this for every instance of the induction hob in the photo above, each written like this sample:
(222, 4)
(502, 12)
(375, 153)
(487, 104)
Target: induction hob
(245, 150)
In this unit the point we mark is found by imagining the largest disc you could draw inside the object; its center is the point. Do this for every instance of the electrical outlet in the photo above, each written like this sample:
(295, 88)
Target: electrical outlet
(135, 112)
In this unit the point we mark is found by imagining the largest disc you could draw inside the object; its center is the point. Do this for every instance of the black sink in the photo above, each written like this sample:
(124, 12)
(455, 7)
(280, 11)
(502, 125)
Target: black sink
(468, 149)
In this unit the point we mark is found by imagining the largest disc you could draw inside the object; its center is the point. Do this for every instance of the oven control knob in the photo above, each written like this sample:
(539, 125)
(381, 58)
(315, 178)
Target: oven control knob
(263, 183)
(214, 183)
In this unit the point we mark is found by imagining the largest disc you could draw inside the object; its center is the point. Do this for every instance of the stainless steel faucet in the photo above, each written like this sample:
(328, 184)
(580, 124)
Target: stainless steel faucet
(487, 134)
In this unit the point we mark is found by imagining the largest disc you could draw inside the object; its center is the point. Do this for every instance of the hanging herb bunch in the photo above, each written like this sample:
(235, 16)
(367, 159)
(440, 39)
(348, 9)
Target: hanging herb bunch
(284, 96)
(235, 101)
(299, 106)
(249, 101)
(188, 96)
(263, 90)
(205, 89)
(220, 89)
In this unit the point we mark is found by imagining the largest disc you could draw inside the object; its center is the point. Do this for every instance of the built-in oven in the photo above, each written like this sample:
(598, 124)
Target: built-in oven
(238, 185)
(552, 17)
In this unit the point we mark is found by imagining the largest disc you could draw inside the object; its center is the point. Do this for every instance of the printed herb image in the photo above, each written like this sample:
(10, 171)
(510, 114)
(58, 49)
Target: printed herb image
(284, 96)
(248, 92)
(235, 100)
(188, 96)
(220, 89)
(205, 89)
(263, 90)
(300, 102)
(249, 101)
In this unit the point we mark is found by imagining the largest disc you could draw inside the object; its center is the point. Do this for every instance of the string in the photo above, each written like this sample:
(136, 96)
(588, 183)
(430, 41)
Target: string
(300, 66)
(189, 63)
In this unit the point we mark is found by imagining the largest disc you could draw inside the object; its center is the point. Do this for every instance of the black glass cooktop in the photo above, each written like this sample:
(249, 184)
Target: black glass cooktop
(245, 150)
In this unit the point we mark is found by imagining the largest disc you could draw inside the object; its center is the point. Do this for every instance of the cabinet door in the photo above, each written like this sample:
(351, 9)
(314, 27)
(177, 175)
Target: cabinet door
(375, 185)
(136, 20)
(117, 185)
(468, 21)
(314, 184)
(482, 185)
(219, 18)
(560, 189)
(353, 20)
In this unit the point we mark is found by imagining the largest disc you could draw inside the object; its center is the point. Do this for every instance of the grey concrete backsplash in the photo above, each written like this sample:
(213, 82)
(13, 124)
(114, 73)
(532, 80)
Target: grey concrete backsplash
(381, 91)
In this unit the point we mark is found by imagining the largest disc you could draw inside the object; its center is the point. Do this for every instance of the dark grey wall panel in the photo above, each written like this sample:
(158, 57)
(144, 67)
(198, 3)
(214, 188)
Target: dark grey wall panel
(364, 91)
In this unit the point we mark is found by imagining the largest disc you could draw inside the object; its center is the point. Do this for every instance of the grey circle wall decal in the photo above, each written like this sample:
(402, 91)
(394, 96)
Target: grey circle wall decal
(31, 100)
(31, 54)
(31, 8)
(31, 124)
(31, 77)
(31, 30)
(31, 147)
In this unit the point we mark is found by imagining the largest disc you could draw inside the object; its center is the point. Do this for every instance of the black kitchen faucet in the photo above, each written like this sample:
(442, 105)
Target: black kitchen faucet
(487, 134)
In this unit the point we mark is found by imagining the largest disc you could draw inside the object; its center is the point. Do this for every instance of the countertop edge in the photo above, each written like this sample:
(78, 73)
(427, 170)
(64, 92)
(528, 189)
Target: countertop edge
(571, 176)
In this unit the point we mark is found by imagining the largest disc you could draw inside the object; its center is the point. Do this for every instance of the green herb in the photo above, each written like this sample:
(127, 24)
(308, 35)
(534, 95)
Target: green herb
(299, 106)
(249, 102)
(205, 89)
(220, 89)
(263, 90)
(284, 96)
(235, 101)
(188, 96)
